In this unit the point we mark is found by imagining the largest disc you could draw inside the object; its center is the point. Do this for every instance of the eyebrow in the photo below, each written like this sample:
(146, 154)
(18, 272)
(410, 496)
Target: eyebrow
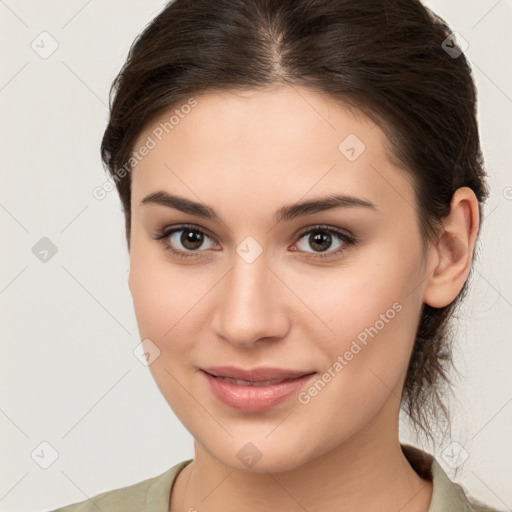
(285, 213)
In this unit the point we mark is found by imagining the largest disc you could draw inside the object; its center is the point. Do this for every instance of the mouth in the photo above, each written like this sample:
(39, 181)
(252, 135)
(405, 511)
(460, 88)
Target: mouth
(255, 375)
(239, 382)
(257, 389)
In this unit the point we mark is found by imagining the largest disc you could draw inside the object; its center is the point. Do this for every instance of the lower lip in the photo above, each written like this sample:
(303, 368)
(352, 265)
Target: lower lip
(254, 398)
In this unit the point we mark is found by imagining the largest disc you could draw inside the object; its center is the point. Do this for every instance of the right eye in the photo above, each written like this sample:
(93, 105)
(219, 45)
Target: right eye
(189, 237)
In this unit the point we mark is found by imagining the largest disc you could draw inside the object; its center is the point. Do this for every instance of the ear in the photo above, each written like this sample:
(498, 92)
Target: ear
(451, 255)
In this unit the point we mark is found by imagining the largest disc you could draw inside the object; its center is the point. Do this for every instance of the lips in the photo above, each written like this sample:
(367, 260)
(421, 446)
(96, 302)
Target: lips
(254, 390)
(239, 382)
(256, 375)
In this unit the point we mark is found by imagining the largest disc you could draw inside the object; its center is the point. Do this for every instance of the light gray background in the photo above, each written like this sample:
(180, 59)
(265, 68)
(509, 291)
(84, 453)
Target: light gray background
(69, 376)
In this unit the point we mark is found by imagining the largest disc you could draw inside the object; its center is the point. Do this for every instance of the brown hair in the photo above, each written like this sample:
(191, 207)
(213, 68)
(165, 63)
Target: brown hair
(385, 57)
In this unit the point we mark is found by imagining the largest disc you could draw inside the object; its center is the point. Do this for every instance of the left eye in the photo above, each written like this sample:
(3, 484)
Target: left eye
(321, 238)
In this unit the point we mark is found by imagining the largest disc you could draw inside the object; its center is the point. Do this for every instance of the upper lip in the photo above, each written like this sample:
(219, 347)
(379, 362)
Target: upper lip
(255, 374)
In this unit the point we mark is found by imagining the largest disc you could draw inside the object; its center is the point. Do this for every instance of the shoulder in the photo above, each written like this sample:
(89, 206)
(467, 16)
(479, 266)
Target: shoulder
(150, 494)
(471, 504)
(447, 496)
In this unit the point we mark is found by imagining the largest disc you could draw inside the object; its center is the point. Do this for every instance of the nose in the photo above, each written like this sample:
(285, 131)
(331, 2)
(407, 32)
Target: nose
(251, 304)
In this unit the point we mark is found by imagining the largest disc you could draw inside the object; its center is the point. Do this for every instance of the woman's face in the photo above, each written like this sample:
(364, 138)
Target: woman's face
(253, 283)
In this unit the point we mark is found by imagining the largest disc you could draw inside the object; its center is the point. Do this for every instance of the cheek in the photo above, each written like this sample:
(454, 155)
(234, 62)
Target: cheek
(374, 323)
(161, 295)
(165, 304)
(363, 296)
(169, 303)
(372, 308)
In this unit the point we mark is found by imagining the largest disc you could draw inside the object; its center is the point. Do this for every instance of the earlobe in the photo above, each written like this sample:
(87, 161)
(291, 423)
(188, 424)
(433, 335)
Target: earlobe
(453, 251)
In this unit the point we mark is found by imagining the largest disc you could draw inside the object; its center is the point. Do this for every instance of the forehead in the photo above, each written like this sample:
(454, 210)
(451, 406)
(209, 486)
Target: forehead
(287, 141)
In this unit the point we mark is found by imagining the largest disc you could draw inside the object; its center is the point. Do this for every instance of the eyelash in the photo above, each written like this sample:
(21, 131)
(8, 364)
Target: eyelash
(348, 240)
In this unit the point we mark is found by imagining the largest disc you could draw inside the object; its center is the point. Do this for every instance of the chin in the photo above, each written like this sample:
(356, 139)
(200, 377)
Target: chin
(263, 454)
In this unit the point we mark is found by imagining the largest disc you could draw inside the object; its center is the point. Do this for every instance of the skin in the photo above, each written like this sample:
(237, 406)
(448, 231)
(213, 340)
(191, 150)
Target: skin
(247, 154)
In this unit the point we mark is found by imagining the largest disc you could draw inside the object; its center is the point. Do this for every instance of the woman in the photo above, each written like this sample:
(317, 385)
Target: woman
(302, 184)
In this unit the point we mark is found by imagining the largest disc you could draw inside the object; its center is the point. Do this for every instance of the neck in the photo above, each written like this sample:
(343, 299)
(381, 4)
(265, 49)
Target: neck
(367, 472)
